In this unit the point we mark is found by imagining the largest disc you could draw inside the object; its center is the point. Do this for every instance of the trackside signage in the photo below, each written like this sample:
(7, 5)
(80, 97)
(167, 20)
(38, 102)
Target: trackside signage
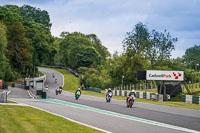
(164, 75)
(1, 83)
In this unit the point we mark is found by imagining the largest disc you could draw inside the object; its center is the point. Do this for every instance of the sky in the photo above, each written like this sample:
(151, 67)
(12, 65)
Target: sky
(111, 19)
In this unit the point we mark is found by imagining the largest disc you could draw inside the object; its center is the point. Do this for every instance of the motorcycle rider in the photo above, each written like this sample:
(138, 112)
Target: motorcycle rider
(109, 90)
(78, 90)
(131, 93)
(60, 88)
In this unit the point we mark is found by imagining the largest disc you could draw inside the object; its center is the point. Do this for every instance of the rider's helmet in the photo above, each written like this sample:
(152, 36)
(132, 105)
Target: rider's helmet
(133, 90)
(79, 89)
(47, 86)
(109, 89)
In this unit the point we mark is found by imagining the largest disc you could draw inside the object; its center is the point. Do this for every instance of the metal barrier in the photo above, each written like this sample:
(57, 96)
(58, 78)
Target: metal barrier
(18, 85)
(92, 89)
(3, 97)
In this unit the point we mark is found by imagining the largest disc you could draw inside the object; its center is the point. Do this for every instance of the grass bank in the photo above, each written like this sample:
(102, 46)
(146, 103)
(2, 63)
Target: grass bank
(8, 101)
(18, 119)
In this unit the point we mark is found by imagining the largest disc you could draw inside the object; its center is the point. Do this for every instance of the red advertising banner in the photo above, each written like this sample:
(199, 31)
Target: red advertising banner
(1, 82)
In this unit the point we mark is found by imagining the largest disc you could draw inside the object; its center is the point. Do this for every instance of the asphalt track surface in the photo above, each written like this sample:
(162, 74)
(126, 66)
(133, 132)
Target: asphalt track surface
(99, 117)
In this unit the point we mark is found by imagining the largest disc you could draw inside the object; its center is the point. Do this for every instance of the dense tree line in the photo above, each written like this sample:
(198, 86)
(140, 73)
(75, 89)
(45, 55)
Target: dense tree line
(26, 42)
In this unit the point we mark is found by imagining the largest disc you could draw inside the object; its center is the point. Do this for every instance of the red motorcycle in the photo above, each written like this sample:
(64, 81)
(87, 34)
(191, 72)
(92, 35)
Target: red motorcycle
(130, 101)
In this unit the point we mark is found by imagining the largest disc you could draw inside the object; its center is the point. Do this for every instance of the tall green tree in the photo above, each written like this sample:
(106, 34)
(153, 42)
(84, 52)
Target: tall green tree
(137, 40)
(80, 50)
(42, 43)
(34, 14)
(160, 46)
(9, 15)
(19, 48)
(87, 56)
(6, 72)
(96, 43)
(3, 45)
(154, 46)
(192, 57)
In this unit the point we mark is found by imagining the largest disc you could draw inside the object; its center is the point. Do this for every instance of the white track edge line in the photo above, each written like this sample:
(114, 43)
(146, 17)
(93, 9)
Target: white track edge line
(169, 125)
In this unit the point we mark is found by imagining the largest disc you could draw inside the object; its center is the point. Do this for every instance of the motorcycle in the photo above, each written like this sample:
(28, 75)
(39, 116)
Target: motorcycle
(130, 101)
(53, 75)
(58, 90)
(108, 97)
(77, 95)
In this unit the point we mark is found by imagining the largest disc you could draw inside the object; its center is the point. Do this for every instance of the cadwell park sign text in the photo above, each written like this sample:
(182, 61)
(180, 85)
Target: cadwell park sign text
(164, 75)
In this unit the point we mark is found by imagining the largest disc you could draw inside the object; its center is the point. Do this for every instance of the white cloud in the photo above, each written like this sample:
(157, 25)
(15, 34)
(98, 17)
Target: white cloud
(111, 19)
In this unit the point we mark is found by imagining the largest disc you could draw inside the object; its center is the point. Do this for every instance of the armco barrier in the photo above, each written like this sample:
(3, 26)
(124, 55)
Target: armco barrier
(114, 91)
(148, 95)
(60, 67)
(144, 95)
(191, 99)
(3, 97)
(137, 94)
(184, 98)
(140, 94)
(92, 89)
(125, 93)
(195, 99)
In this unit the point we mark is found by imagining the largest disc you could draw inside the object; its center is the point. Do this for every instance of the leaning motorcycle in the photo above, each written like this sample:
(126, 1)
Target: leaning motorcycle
(130, 101)
(108, 97)
(77, 95)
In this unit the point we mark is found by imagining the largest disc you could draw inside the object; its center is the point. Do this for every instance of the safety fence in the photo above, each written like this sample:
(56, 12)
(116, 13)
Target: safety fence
(61, 67)
(136, 86)
(92, 89)
(18, 85)
(143, 95)
(3, 97)
(191, 99)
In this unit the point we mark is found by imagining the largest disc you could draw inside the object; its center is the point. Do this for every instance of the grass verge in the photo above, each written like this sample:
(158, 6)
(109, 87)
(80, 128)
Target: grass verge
(72, 83)
(8, 101)
(17, 119)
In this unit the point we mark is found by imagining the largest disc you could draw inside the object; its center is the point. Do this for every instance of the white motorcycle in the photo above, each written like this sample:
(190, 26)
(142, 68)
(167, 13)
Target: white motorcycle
(108, 97)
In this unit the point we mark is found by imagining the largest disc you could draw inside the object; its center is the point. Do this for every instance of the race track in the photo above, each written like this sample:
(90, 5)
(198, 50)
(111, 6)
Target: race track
(115, 116)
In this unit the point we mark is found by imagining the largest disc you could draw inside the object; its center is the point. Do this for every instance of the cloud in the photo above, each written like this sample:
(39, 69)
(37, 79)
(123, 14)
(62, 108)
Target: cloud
(111, 19)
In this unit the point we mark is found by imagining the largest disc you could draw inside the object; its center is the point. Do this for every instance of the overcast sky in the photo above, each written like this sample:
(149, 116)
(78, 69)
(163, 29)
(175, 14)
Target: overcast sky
(111, 19)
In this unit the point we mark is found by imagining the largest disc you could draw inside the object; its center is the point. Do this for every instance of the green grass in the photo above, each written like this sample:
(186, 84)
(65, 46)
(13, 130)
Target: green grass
(41, 74)
(71, 80)
(8, 101)
(9, 84)
(18, 119)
